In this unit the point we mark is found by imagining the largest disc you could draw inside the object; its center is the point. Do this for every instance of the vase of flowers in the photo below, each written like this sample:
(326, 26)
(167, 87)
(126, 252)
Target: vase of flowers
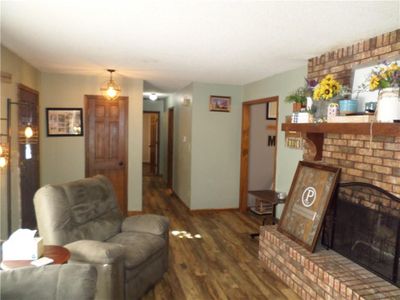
(386, 79)
(326, 92)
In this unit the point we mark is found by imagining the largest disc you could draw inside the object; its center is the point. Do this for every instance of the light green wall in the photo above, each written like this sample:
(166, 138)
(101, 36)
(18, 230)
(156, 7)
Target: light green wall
(158, 106)
(22, 72)
(182, 153)
(280, 85)
(215, 148)
(63, 158)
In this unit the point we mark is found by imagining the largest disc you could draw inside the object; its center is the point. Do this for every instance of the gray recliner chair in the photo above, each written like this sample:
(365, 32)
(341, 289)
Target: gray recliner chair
(66, 282)
(130, 254)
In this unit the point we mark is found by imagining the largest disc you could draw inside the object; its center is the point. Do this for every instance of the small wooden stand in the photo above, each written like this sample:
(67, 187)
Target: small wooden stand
(266, 201)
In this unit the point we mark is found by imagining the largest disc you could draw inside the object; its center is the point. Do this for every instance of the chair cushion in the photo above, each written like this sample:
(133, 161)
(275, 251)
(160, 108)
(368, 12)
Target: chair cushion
(139, 246)
(146, 223)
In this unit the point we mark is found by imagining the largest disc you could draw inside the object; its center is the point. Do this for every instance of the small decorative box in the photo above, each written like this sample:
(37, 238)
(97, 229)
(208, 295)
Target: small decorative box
(333, 110)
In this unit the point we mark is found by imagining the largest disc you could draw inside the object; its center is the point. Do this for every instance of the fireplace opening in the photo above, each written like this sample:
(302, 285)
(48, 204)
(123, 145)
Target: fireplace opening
(363, 224)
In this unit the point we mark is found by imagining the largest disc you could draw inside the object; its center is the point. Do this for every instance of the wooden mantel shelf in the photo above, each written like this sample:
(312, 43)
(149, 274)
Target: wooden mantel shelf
(313, 134)
(385, 129)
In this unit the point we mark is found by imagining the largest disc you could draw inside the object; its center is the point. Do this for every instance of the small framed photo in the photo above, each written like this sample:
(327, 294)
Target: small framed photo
(310, 193)
(271, 110)
(64, 121)
(220, 103)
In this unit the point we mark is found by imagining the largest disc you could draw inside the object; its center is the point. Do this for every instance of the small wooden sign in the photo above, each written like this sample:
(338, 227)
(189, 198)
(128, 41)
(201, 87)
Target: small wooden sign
(311, 190)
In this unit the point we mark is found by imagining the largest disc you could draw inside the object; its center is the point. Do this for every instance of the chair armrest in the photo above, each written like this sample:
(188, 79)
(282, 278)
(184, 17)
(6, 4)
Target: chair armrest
(49, 282)
(95, 252)
(148, 223)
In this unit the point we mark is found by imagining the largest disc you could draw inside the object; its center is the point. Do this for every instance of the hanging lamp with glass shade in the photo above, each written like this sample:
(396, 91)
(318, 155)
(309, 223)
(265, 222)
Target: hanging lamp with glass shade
(110, 89)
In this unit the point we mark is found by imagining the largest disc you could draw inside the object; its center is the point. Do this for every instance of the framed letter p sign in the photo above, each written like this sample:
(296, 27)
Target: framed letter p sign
(308, 199)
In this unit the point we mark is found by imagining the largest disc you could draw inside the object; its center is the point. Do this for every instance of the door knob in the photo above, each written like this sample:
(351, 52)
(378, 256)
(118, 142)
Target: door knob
(121, 163)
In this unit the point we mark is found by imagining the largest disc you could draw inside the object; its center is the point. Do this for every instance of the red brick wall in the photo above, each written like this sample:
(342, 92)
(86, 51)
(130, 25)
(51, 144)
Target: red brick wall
(379, 165)
(341, 61)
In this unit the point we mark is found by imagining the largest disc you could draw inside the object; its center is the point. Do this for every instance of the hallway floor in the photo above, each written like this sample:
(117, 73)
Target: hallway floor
(222, 264)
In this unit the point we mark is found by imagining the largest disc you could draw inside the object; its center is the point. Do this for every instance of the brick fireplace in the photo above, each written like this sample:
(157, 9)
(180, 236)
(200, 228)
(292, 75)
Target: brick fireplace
(376, 162)
(373, 159)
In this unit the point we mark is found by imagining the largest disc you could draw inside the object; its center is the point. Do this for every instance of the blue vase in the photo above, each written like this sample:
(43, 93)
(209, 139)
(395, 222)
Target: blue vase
(347, 106)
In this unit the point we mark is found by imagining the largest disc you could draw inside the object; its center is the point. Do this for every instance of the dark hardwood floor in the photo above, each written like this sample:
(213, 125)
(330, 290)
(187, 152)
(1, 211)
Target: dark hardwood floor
(222, 264)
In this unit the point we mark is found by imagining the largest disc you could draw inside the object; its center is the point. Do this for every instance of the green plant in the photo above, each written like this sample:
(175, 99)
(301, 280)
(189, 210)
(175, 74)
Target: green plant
(298, 96)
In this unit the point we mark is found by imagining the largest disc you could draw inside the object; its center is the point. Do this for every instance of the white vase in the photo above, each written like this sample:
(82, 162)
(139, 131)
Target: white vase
(388, 107)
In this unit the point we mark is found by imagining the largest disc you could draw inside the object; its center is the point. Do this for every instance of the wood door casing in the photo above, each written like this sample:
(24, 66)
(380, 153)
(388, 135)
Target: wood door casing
(170, 150)
(154, 141)
(106, 142)
(28, 113)
(245, 145)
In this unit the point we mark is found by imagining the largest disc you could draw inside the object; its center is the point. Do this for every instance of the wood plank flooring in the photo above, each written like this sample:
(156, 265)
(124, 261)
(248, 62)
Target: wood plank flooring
(223, 264)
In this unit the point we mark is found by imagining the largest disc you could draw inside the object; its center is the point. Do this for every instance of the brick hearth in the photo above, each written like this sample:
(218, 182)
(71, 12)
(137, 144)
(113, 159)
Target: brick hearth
(321, 275)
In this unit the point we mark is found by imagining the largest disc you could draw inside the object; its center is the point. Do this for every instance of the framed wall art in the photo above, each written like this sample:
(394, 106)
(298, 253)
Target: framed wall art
(271, 110)
(64, 121)
(220, 103)
(311, 190)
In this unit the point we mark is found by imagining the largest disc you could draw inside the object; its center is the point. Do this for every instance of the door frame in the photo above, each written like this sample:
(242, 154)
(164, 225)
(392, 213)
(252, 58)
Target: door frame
(158, 138)
(34, 139)
(126, 157)
(245, 146)
(170, 149)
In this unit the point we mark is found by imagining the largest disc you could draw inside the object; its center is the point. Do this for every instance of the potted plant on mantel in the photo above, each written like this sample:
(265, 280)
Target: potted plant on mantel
(299, 98)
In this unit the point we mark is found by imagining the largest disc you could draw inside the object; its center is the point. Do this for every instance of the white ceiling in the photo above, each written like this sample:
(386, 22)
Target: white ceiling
(172, 43)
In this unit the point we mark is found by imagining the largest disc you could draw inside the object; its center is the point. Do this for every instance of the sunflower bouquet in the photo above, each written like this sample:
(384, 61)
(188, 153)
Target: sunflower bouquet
(385, 76)
(327, 88)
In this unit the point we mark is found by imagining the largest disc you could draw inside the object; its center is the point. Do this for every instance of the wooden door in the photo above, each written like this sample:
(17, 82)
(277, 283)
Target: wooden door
(28, 115)
(154, 152)
(106, 142)
(170, 151)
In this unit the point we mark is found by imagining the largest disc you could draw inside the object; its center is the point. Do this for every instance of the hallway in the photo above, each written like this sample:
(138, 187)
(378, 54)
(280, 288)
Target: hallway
(222, 264)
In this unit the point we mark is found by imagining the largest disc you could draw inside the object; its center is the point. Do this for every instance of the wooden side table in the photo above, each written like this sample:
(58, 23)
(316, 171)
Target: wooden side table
(59, 254)
(267, 201)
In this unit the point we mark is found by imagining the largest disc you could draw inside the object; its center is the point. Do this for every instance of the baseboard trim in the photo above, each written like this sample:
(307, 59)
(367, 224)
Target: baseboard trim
(135, 213)
(211, 210)
(173, 194)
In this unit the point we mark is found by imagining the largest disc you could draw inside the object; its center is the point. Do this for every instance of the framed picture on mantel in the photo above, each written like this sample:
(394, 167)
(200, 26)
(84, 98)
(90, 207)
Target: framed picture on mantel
(311, 190)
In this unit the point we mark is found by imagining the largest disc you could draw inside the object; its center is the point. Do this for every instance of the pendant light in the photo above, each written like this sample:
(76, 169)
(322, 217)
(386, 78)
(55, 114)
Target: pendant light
(110, 89)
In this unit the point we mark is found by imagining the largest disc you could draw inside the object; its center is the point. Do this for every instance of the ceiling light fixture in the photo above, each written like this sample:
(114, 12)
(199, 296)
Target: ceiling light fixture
(153, 97)
(110, 89)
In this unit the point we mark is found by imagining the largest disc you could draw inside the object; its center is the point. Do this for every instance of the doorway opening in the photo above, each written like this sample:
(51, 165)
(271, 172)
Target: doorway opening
(151, 144)
(258, 148)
